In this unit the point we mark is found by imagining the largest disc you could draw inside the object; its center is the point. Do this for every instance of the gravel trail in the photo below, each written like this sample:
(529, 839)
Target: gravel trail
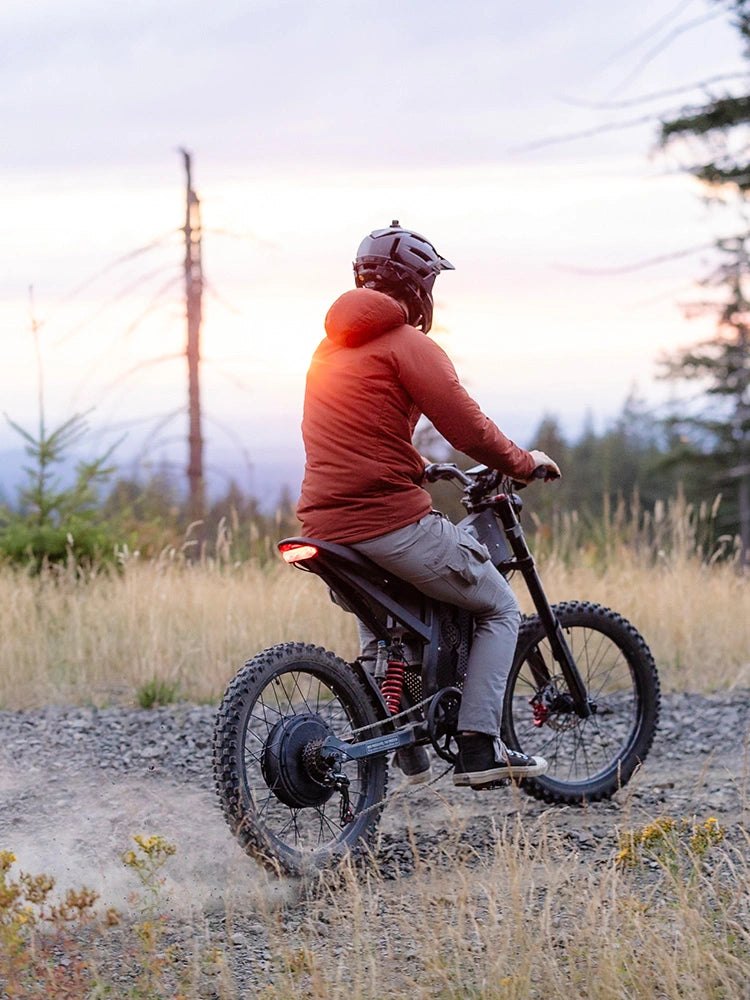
(77, 783)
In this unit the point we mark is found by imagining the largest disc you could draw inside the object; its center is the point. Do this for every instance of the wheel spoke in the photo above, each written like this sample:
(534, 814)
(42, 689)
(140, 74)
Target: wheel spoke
(294, 694)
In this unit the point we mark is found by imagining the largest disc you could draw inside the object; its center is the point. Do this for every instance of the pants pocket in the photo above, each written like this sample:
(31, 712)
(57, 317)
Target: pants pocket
(466, 556)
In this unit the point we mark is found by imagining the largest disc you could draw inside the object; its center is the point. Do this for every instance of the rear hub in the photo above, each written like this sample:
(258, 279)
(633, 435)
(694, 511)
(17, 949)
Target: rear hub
(285, 765)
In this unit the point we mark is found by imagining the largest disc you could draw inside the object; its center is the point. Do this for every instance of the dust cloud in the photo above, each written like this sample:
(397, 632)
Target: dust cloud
(77, 827)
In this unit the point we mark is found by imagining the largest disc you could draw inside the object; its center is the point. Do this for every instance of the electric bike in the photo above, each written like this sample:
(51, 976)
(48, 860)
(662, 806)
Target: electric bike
(302, 738)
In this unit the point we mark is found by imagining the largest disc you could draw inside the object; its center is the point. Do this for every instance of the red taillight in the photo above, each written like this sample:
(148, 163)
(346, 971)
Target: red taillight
(296, 553)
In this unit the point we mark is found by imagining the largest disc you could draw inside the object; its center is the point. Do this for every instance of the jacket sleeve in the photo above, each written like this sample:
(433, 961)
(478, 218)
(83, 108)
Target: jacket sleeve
(428, 375)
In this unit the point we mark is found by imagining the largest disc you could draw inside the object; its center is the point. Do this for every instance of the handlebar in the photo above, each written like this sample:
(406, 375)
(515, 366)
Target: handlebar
(546, 473)
(449, 470)
(446, 470)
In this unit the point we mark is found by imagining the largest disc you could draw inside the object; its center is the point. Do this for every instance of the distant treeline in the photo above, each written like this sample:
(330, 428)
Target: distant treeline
(635, 461)
(635, 456)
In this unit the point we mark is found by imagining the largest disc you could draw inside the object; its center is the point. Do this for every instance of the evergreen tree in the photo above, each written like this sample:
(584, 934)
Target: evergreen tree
(714, 434)
(55, 523)
(545, 503)
(717, 129)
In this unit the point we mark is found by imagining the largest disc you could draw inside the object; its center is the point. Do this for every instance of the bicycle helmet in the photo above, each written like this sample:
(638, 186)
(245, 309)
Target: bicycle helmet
(402, 264)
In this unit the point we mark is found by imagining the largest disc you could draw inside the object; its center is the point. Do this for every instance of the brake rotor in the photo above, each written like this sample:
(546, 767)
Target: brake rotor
(284, 765)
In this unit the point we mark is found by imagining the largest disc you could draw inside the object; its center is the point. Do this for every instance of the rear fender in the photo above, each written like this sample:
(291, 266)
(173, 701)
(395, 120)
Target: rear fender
(358, 582)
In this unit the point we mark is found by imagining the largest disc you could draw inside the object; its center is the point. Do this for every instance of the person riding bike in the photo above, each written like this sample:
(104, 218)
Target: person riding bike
(370, 379)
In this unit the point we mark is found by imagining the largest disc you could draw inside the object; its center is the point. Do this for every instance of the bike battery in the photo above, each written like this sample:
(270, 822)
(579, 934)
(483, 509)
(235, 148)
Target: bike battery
(485, 527)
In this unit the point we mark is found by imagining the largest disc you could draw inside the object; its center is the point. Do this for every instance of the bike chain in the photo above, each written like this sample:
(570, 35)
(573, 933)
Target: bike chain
(392, 718)
(405, 788)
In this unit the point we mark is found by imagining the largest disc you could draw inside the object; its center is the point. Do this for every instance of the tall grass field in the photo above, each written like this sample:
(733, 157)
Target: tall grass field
(182, 628)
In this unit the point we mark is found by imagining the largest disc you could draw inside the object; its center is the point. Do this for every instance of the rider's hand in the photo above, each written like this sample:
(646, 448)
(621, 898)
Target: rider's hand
(543, 460)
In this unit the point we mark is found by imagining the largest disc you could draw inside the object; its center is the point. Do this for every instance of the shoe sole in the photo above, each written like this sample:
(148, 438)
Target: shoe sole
(478, 778)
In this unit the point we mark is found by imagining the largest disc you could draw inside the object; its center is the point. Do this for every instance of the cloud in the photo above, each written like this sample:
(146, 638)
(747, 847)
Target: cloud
(340, 82)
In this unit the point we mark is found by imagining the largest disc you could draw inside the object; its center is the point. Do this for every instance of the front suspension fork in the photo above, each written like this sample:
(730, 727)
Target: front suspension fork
(524, 562)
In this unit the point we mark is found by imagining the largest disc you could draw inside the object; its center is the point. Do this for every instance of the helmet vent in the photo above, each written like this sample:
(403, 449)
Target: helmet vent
(419, 253)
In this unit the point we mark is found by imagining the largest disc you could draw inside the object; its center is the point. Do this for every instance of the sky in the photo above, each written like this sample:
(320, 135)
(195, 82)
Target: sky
(520, 139)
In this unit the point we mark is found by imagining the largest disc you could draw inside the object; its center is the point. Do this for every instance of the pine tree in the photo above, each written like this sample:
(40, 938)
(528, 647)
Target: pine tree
(719, 126)
(57, 523)
(715, 431)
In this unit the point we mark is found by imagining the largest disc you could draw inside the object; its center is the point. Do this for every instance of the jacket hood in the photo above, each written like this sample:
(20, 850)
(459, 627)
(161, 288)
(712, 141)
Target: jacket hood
(362, 314)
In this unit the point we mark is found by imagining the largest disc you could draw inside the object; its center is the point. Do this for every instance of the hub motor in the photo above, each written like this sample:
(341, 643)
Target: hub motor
(285, 765)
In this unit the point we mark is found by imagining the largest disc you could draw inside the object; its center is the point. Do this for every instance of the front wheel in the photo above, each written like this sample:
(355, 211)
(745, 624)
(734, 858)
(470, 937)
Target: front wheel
(283, 702)
(589, 759)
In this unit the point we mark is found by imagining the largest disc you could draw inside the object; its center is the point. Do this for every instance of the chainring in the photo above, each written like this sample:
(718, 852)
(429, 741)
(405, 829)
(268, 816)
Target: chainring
(442, 723)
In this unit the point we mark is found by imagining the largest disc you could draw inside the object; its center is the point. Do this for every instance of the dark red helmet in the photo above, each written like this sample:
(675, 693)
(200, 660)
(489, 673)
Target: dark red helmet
(402, 264)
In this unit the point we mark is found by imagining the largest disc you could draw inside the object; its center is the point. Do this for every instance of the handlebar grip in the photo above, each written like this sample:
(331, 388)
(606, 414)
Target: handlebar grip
(546, 473)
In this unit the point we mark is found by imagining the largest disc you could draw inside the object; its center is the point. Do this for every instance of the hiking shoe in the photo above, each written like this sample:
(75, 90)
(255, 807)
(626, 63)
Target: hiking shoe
(415, 764)
(483, 759)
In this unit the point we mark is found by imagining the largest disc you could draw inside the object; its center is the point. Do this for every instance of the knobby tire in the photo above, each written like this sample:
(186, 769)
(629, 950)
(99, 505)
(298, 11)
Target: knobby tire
(279, 683)
(589, 758)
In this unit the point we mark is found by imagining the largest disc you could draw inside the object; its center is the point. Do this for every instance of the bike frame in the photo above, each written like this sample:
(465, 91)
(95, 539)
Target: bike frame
(385, 604)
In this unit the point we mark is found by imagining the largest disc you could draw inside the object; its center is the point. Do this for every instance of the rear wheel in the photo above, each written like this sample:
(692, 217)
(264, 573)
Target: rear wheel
(589, 759)
(284, 813)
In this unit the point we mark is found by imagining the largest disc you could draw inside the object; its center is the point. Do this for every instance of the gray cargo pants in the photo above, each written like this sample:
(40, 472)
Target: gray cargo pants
(447, 563)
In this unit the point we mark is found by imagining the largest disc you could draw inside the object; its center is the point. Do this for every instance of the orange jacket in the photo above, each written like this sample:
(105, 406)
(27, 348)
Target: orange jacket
(369, 381)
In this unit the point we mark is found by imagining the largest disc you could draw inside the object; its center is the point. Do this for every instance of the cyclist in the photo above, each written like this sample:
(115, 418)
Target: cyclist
(370, 379)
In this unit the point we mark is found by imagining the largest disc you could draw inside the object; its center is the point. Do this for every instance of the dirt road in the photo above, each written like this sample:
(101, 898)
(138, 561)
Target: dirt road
(76, 784)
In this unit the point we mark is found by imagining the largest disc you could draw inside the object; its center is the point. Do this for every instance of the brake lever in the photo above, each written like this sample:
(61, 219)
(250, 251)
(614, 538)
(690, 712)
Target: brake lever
(445, 470)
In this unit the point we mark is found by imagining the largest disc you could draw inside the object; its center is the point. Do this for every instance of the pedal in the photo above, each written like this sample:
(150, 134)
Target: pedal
(499, 783)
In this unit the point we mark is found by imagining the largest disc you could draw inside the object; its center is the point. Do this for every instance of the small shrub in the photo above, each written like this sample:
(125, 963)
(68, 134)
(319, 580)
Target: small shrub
(29, 968)
(56, 523)
(157, 692)
(672, 844)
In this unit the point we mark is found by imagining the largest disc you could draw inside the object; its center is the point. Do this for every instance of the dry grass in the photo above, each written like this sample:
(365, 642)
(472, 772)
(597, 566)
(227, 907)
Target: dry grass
(67, 640)
(525, 916)
(189, 626)
(695, 617)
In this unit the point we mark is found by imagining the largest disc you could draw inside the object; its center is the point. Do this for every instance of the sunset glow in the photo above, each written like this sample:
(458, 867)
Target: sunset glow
(548, 310)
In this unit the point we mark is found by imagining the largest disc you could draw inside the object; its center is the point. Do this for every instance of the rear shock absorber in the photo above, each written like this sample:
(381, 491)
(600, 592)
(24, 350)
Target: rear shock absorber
(393, 682)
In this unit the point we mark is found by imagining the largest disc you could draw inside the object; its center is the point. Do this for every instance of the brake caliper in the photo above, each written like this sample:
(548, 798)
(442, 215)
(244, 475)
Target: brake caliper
(542, 703)
(541, 711)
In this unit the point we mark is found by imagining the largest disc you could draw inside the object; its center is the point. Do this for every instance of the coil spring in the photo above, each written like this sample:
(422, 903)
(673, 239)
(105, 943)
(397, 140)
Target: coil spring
(392, 685)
